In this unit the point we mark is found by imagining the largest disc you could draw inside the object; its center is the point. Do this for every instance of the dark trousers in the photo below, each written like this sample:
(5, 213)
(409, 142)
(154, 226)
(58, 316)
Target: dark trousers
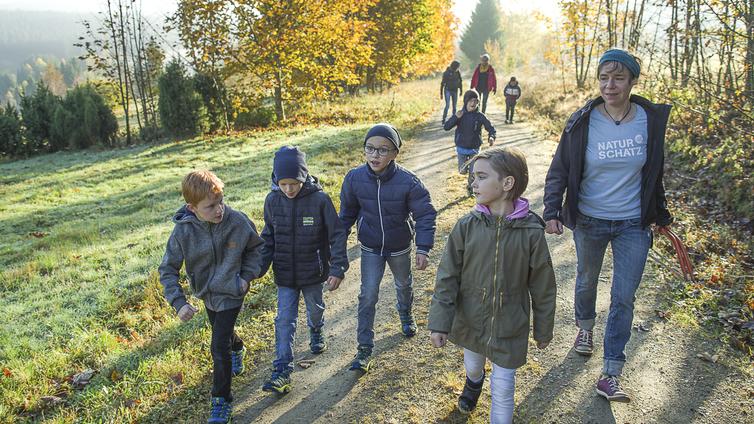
(484, 94)
(509, 109)
(224, 339)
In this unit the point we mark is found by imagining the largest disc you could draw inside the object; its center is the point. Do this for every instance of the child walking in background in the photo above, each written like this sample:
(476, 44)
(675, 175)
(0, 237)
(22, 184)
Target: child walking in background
(222, 253)
(389, 205)
(306, 244)
(512, 93)
(468, 136)
(496, 269)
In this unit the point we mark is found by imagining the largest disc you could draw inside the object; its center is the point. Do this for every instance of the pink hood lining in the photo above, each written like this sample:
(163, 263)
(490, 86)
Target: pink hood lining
(520, 209)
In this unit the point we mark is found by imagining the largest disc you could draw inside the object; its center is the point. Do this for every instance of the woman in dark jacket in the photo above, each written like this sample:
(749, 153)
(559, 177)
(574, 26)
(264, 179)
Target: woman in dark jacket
(451, 87)
(609, 164)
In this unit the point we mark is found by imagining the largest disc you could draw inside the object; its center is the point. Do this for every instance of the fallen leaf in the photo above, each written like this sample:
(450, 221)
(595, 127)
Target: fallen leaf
(116, 376)
(707, 357)
(7, 373)
(177, 378)
(306, 363)
(130, 245)
(82, 379)
(663, 314)
(38, 234)
(51, 400)
(130, 403)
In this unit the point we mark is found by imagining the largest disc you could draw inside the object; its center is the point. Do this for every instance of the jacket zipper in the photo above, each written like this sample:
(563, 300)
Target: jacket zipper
(214, 262)
(319, 260)
(382, 226)
(293, 240)
(494, 279)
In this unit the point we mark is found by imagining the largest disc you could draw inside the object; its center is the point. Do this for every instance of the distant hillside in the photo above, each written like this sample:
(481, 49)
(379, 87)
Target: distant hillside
(26, 34)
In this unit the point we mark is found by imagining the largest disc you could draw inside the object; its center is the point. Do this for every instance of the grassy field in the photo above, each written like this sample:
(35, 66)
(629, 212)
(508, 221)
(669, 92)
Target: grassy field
(81, 236)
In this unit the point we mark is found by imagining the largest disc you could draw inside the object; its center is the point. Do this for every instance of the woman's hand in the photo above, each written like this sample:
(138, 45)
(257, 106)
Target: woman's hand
(554, 226)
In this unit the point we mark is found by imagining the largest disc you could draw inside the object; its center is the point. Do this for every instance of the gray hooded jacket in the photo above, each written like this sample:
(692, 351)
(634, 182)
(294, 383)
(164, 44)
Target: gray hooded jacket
(217, 258)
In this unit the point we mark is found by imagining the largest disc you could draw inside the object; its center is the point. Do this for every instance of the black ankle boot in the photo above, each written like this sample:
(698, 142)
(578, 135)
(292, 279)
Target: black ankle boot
(470, 395)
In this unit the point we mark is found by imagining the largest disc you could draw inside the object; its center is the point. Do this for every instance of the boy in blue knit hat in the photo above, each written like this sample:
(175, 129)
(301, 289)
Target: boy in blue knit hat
(390, 207)
(306, 245)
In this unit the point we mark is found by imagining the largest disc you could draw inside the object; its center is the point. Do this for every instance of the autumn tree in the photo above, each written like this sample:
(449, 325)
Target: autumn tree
(301, 48)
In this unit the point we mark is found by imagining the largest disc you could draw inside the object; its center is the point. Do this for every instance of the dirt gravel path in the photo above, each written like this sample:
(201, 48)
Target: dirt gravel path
(413, 382)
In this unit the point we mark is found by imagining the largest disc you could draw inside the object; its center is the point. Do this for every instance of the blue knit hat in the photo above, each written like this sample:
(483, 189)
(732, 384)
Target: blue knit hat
(385, 130)
(289, 162)
(624, 58)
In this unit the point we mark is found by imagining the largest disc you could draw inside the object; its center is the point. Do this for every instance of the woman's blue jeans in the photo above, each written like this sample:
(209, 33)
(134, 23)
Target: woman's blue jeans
(630, 244)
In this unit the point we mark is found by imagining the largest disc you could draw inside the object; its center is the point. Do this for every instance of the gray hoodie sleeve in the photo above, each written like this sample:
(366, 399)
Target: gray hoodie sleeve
(251, 264)
(169, 270)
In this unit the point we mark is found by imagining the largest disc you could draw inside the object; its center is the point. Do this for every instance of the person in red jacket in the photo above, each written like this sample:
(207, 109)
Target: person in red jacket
(484, 80)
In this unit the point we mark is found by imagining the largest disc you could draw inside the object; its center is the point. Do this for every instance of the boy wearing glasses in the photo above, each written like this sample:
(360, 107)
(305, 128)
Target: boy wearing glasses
(389, 206)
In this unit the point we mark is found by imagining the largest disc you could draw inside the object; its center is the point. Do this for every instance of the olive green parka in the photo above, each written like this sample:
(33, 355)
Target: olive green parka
(494, 273)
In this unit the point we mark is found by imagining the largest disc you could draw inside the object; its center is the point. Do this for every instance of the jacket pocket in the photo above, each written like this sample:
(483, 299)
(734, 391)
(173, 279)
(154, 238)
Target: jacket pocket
(470, 314)
(515, 319)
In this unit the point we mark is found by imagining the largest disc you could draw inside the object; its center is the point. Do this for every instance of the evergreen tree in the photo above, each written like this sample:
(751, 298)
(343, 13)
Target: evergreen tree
(37, 112)
(10, 131)
(484, 26)
(181, 109)
(82, 120)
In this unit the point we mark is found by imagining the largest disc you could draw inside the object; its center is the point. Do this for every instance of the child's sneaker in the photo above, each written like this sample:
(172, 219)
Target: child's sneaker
(362, 361)
(279, 382)
(470, 395)
(408, 326)
(236, 361)
(609, 387)
(317, 342)
(220, 412)
(584, 344)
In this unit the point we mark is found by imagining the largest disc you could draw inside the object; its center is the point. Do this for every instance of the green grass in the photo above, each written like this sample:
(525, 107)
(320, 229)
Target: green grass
(82, 233)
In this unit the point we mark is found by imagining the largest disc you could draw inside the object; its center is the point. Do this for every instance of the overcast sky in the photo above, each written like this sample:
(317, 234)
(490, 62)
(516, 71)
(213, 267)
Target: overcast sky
(462, 8)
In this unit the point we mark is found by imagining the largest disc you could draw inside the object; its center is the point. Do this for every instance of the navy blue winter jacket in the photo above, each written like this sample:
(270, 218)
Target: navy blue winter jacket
(303, 237)
(388, 210)
(469, 128)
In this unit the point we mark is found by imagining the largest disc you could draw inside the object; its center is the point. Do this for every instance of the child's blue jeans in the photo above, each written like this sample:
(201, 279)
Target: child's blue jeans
(372, 270)
(449, 95)
(630, 244)
(285, 321)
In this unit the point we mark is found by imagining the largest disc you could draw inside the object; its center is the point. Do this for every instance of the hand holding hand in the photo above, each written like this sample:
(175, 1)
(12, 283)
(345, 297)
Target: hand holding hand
(554, 226)
(421, 261)
(438, 339)
(187, 312)
(333, 283)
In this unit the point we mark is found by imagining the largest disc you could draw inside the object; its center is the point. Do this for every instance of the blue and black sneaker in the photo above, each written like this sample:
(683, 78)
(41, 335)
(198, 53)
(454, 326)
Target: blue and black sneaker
(362, 361)
(279, 382)
(220, 412)
(236, 360)
(317, 342)
(408, 326)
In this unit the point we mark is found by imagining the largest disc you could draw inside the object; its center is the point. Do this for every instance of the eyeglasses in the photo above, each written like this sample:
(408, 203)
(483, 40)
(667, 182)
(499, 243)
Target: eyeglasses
(382, 151)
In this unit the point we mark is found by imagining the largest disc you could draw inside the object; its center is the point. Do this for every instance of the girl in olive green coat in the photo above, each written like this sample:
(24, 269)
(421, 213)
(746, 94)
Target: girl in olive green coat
(483, 303)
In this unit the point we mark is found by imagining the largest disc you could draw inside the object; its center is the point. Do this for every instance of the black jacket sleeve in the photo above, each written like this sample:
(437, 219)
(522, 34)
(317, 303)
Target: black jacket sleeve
(556, 180)
(451, 122)
(337, 238)
(663, 214)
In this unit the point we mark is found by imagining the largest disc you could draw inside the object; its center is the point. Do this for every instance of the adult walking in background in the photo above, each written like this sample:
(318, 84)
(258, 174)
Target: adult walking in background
(609, 164)
(484, 80)
(512, 92)
(450, 87)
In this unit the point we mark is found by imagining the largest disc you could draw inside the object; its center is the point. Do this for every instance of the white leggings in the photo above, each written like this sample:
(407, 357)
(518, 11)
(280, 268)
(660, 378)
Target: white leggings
(502, 385)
